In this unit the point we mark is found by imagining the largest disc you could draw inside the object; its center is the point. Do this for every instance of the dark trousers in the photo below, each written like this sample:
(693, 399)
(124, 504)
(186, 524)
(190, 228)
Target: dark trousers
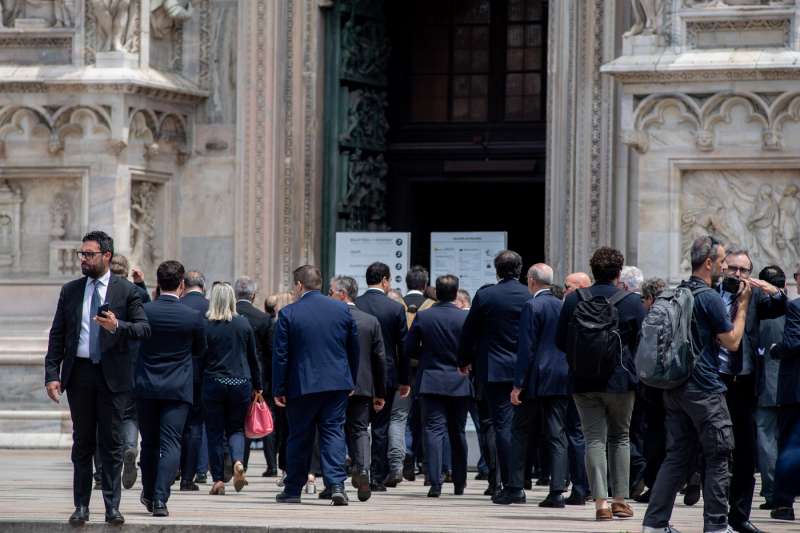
(325, 412)
(161, 425)
(359, 409)
(487, 435)
(498, 396)
(741, 400)
(787, 469)
(380, 438)
(445, 416)
(192, 439)
(483, 466)
(636, 438)
(281, 435)
(226, 408)
(97, 420)
(655, 436)
(690, 414)
(576, 450)
(553, 410)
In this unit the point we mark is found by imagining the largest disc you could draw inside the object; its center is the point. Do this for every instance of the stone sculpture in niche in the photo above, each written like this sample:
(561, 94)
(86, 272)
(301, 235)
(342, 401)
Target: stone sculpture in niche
(9, 11)
(112, 18)
(788, 237)
(64, 13)
(59, 216)
(645, 18)
(165, 14)
(10, 219)
(143, 229)
(734, 3)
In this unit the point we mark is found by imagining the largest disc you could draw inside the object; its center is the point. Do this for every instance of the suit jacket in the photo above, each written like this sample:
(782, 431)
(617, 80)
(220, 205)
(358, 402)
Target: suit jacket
(433, 339)
(165, 367)
(315, 347)
(788, 351)
(394, 329)
(762, 307)
(371, 379)
(198, 302)
(414, 300)
(261, 323)
(770, 332)
(489, 338)
(143, 292)
(542, 368)
(117, 356)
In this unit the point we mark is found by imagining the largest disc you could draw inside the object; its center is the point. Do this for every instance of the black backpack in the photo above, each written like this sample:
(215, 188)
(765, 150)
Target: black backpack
(594, 344)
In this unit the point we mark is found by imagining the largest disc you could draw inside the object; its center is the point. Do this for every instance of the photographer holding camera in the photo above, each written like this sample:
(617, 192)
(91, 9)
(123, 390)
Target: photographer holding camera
(738, 371)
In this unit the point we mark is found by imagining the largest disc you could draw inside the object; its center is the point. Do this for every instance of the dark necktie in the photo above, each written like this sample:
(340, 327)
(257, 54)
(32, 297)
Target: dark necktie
(94, 327)
(735, 357)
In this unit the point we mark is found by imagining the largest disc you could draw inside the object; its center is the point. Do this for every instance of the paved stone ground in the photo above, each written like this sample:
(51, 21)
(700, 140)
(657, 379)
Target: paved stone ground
(35, 495)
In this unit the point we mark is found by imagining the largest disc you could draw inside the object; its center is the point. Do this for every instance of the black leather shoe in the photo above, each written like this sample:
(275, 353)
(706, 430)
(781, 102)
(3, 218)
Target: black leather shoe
(147, 502)
(362, 484)
(643, 497)
(80, 516)
(746, 527)
(339, 496)
(692, 495)
(767, 506)
(189, 487)
(782, 513)
(409, 472)
(114, 518)
(491, 490)
(554, 500)
(458, 490)
(508, 496)
(160, 508)
(435, 491)
(481, 476)
(129, 468)
(285, 498)
(392, 480)
(528, 484)
(325, 494)
(377, 487)
(269, 472)
(576, 498)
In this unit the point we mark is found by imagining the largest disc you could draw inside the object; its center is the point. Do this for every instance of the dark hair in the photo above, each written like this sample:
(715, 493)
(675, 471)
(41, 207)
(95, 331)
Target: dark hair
(169, 275)
(102, 239)
(703, 248)
(194, 278)
(269, 306)
(309, 277)
(417, 278)
(446, 288)
(606, 263)
(508, 264)
(557, 291)
(376, 272)
(773, 274)
(652, 287)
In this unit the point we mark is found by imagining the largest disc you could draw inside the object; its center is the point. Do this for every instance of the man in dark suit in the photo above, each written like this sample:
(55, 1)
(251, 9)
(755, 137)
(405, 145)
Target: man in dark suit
(416, 283)
(193, 296)
(541, 381)
(445, 392)
(165, 384)
(245, 289)
(314, 369)
(489, 346)
(370, 391)
(88, 356)
(389, 424)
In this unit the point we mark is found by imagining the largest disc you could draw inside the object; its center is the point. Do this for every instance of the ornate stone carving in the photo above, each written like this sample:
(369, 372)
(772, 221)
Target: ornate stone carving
(157, 130)
(759, 210)
(167, 15)
(735, 3)
(60, 210)
(10, 224)
(366, 120)
(111, 22)
(363, 205)
(694, 30)
(143, 231)
(64, 261)
(9, 11)
(645, 18)
(65, 13)
(365, 51)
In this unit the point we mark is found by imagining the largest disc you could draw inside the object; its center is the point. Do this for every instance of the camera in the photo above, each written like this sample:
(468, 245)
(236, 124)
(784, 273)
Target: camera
(731, 284)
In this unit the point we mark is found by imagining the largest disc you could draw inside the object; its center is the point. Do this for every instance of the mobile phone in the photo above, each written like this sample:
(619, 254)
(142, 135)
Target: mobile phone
(731, 284)
(103, 309)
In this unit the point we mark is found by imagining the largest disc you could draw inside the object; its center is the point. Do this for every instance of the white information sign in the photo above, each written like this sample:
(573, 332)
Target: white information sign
(356, 251)
(468, 255)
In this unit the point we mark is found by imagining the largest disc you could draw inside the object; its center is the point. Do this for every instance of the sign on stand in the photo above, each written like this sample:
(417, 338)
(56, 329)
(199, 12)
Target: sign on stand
(468, 255)
(356, 251)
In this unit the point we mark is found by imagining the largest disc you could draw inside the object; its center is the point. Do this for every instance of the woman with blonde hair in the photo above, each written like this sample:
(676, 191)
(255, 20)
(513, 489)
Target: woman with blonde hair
(231, 380)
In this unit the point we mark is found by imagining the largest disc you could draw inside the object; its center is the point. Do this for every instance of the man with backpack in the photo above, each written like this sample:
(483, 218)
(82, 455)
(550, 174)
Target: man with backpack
(598, 329)
(696, 410)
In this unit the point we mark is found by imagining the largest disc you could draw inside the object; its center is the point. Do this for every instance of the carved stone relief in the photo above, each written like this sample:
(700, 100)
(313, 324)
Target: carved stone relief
(143, 225)
(166, 33)
(363, 205)
(37, 14)
(736, 3)
(10, 226)
(366, 120)
(154, 130)
(756, 209)
(365, 51)
(113, 24)
(60, 212)
(645, 18)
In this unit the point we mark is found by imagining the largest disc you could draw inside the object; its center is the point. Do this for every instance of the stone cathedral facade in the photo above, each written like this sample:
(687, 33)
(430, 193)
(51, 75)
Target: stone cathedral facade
(239, 135)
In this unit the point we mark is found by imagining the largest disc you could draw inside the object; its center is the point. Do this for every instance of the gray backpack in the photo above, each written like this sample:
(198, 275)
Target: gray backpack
(666, 353)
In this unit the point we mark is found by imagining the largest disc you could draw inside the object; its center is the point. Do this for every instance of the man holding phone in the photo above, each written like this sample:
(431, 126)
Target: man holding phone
(89, 357)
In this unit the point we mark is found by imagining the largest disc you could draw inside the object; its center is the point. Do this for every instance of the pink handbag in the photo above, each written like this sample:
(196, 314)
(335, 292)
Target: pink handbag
(258, 423)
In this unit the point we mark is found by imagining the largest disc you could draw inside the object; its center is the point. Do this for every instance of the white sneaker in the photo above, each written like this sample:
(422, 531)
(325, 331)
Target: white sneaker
(668, 529)
(311, 488)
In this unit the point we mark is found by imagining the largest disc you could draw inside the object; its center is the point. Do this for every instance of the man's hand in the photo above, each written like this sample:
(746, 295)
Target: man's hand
(138, 275)
(378, 403)
(405, 390)
(744, 293)
(54, 390)
(765, 286)
(107, 321)
(515, 392)
(465, 370)
(280, 401)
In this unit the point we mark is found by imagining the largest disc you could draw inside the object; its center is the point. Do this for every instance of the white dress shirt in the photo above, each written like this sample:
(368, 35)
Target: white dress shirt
(83, 340)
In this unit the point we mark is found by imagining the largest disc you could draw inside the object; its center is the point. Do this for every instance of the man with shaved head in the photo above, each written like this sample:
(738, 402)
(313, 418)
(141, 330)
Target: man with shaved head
(575, 281)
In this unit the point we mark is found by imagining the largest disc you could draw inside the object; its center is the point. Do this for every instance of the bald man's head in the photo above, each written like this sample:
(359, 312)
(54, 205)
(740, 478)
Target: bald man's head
(576, 280)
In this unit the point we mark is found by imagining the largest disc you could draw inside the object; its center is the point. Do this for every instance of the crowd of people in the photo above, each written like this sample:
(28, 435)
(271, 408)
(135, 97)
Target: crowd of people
(560, 382)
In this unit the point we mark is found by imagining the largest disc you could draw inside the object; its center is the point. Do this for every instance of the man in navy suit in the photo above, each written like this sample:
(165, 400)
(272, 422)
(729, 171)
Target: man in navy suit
(89, 356)
(541, 381)
(489, 345)
(193, 296)
(445, 392)
(389, 424)
(165, 384)
(314, 369)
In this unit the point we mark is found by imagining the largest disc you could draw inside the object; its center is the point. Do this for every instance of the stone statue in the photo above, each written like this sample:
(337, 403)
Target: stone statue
(59, 216)
(143, 229)
(165, 14)
(6, 234)
(65, 13)
(788, 238)
(645, 18)
(112, 24)
(9, 10)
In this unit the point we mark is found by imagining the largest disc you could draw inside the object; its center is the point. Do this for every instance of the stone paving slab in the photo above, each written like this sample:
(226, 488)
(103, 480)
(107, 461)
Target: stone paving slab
(36, 496)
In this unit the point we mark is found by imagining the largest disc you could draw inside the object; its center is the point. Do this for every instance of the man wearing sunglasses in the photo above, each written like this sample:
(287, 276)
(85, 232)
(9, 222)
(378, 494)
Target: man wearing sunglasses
(89, 357)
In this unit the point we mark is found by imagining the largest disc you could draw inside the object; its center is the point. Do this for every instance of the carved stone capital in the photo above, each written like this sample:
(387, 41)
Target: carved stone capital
(638, 140)
(117, 146)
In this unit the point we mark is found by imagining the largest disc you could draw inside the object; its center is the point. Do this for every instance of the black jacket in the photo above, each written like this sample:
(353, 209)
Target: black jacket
(231, 351)
(117, 355)
(263, 329)
(788, 351)
(392, 318)
(371, 376)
